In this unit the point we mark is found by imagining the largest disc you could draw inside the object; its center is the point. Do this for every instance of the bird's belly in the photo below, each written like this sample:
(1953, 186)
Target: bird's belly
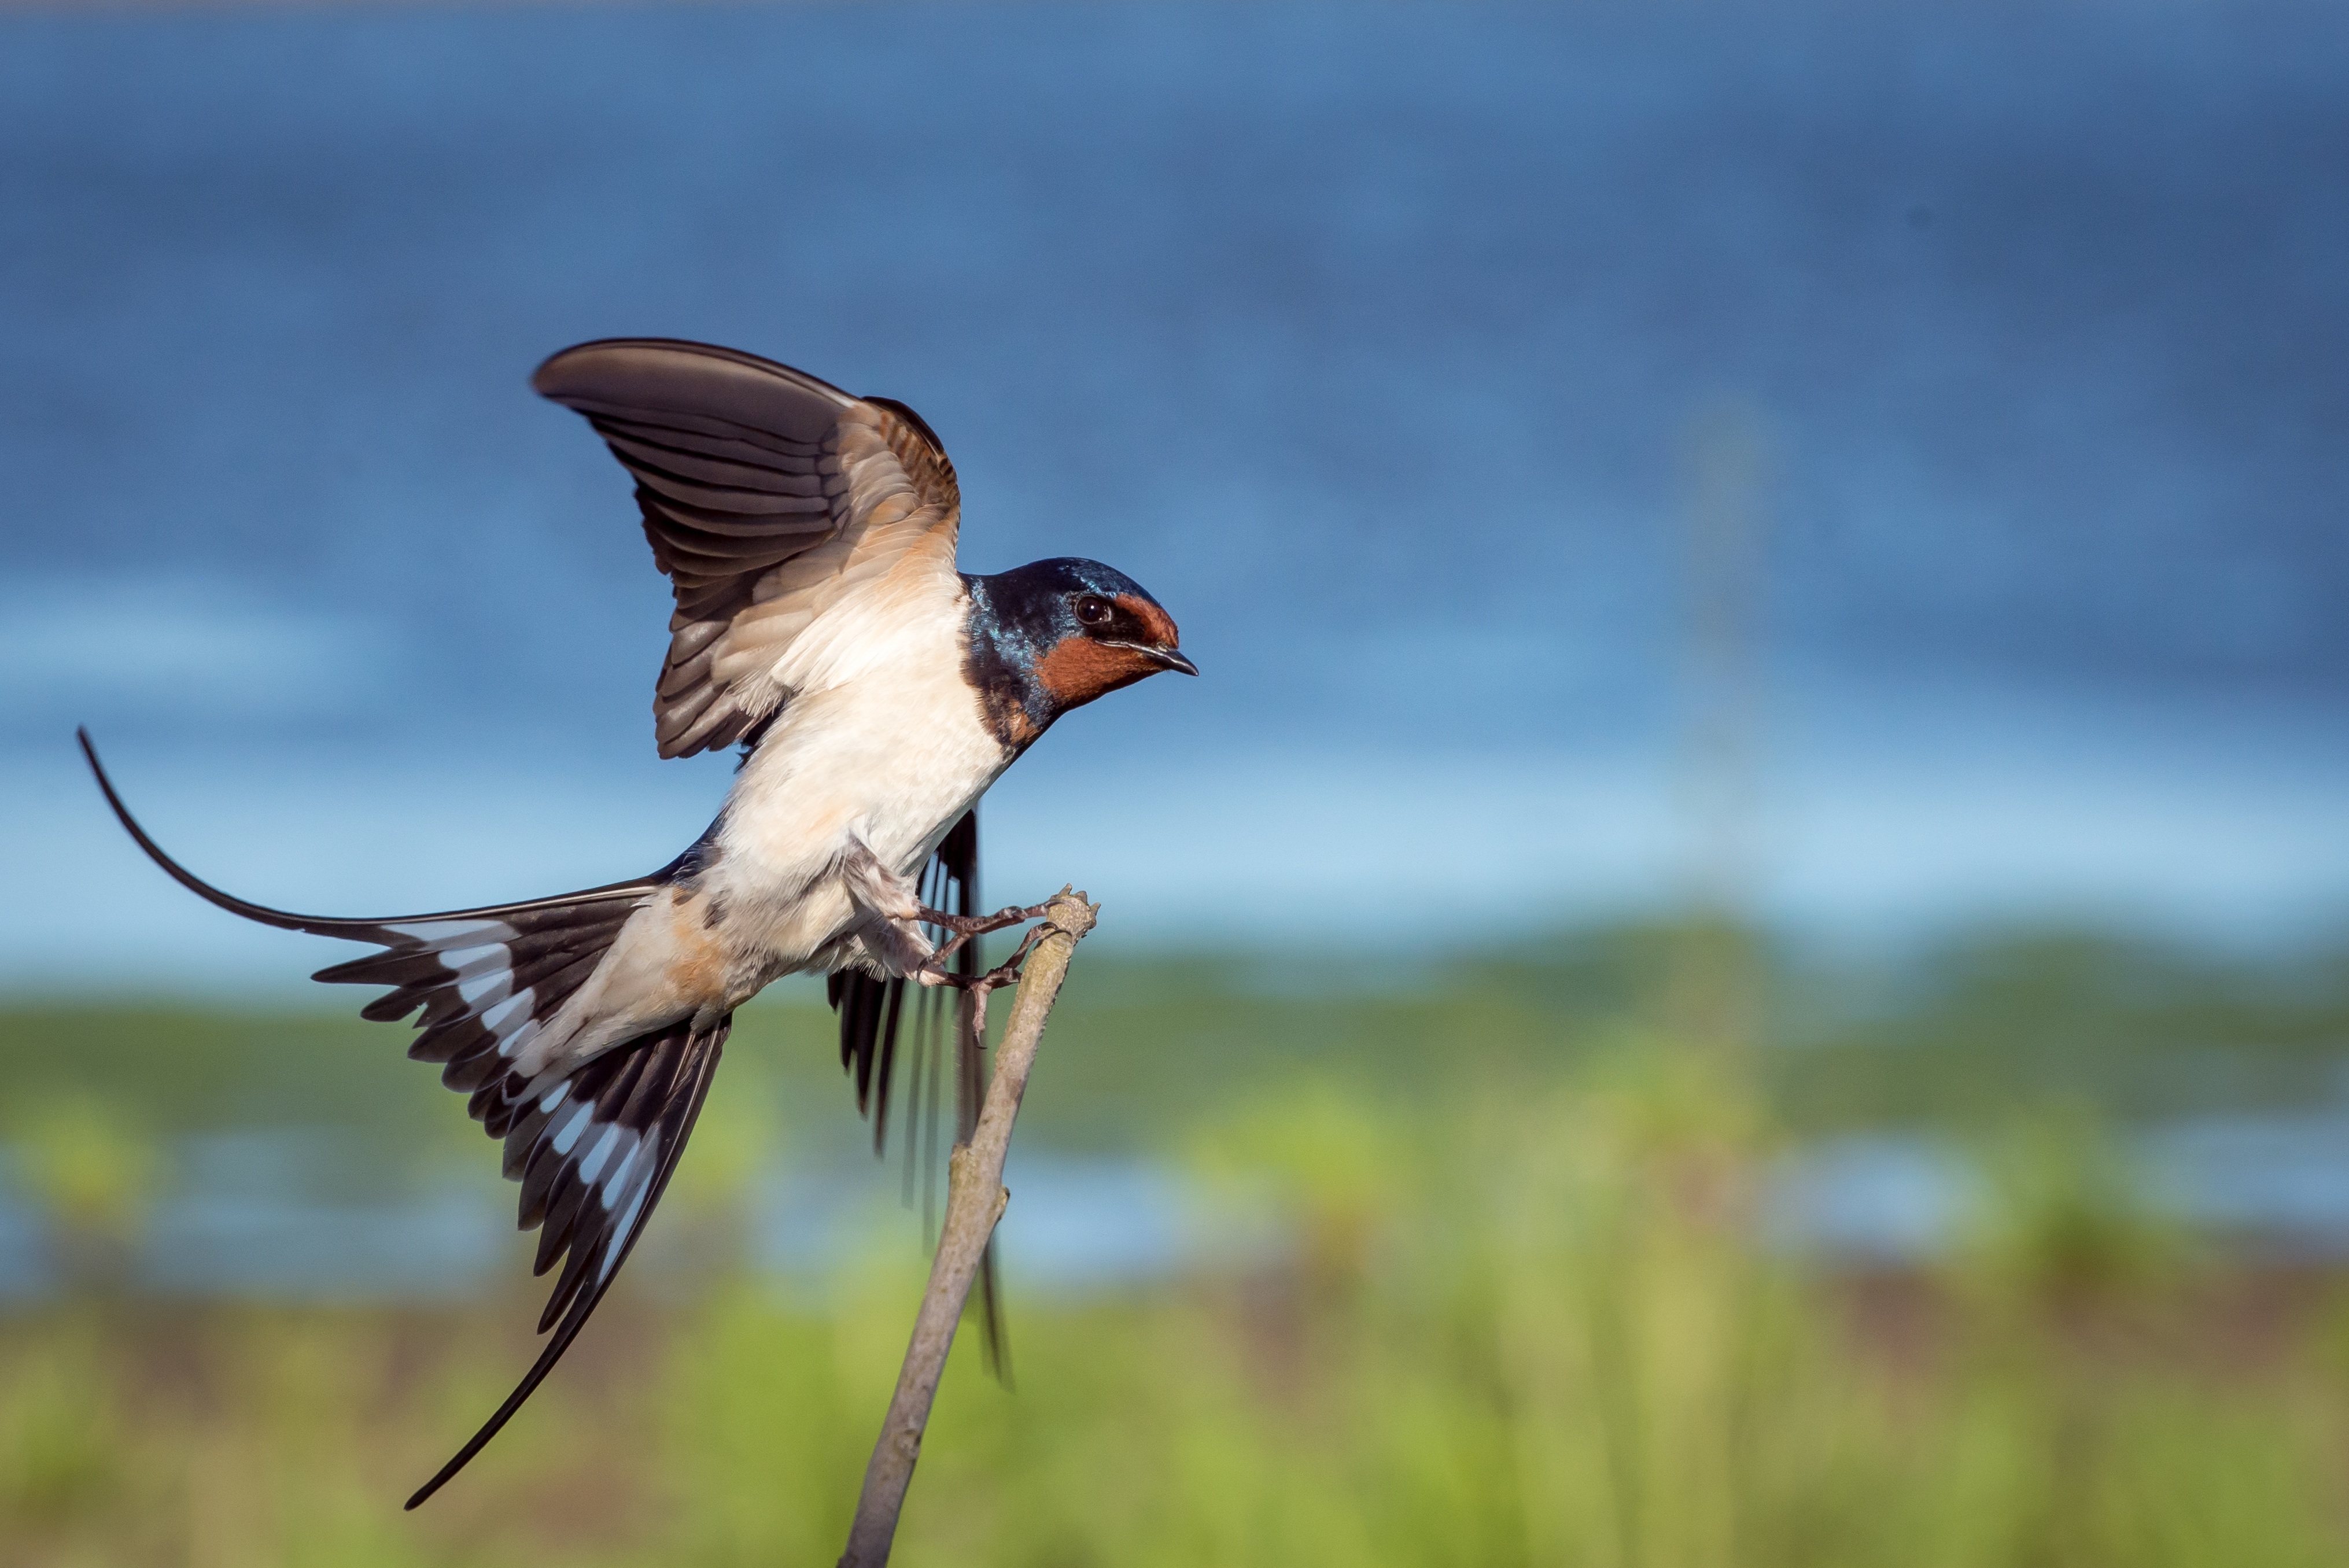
(890, 763)
(846, 767)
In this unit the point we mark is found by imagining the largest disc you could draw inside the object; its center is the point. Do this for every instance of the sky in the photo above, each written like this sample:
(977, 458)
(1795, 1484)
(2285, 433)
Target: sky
(1435, 367)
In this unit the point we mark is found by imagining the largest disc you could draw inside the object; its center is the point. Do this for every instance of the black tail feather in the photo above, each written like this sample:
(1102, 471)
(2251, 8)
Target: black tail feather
(642, 1096)
(593, 1145)
(871, 1014)
(361, 929)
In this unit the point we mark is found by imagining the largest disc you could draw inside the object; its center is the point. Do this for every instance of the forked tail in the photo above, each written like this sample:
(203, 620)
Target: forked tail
(592, 1143)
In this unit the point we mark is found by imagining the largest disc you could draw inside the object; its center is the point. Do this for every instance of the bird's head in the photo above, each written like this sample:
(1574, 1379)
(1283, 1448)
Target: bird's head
(1062, 633)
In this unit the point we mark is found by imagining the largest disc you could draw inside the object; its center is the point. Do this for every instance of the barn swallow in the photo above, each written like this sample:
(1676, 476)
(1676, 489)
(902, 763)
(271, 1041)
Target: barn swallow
(821, 625)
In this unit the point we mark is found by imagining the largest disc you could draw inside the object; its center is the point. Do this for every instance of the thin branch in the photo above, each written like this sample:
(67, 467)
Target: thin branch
(975, 1202)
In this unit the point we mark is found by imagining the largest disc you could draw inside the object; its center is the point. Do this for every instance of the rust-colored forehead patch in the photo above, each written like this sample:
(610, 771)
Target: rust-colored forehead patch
(1156, 621)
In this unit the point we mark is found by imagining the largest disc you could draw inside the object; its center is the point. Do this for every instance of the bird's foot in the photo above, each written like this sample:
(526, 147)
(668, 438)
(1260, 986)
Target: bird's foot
(936, 972)
(970, 926)
(967, 928)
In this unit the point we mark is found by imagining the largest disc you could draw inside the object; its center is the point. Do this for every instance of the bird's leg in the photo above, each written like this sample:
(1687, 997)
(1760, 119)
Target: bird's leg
(894, 907)
(898, 930)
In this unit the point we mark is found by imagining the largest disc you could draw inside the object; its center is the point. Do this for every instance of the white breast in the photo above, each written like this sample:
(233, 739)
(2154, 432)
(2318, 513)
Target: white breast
(894, 751)
(881, 739)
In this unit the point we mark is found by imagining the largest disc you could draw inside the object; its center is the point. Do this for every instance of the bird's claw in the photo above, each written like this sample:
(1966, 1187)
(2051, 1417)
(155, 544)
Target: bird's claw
(969, 927)
(936, 972)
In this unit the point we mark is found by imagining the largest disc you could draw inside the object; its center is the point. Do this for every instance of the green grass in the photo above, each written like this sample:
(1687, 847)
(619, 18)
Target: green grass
(1522, 1319)
(1527, 1331)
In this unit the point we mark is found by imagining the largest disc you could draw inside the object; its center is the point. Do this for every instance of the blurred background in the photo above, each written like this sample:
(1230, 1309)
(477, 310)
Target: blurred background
(1739, 959)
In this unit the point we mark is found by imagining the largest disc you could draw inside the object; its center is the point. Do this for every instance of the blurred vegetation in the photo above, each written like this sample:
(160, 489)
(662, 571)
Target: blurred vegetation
(1958, 1036)
(1520, 1317)
(92, 1169)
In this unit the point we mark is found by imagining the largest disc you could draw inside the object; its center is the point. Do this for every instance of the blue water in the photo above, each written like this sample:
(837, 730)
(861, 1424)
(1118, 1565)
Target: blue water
(256, 1215)
(1374, 339)
(284, 1213)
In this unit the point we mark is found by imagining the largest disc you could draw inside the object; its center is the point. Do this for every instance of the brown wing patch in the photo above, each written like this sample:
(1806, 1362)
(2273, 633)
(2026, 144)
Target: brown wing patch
(698, 968)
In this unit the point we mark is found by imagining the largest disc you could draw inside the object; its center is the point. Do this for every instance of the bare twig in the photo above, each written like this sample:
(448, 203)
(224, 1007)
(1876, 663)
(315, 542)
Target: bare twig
(975, 1202)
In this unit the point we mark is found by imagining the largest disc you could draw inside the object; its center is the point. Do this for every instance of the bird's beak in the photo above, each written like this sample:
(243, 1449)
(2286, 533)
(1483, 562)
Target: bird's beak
(1169, 658)
(1165, 658)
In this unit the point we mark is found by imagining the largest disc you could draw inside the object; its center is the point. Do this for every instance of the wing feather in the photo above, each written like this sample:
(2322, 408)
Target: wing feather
(768, 496)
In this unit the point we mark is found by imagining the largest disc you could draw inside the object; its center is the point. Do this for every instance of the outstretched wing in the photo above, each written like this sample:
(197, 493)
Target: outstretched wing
(769, 497)
(873, 1019)
(592, 1144)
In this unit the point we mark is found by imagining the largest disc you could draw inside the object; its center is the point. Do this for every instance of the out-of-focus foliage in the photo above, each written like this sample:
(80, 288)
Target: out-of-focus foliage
(1960, 1034)
(1518, 1326)
(83, 1156)
(2132, 1028)
(1496, 1295)
(2066, 1224)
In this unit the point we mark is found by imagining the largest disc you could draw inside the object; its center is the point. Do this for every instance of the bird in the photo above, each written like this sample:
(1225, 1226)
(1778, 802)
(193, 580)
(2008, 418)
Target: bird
(875, 691)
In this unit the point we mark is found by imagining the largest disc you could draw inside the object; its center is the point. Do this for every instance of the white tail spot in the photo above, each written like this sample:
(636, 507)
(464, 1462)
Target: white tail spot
(601, 1153)
(619, 1174)
(620, 1231)
(518, 1038)
(445, 935)
(573, 1129)
(489, 986)
(514, 1010)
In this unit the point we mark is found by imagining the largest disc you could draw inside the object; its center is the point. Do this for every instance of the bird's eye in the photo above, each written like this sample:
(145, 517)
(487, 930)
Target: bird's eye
(1093, 610)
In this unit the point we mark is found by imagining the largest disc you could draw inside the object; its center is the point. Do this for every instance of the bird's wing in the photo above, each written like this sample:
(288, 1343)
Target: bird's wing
(592, 1144)
(769, 496)
(872, 1016)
